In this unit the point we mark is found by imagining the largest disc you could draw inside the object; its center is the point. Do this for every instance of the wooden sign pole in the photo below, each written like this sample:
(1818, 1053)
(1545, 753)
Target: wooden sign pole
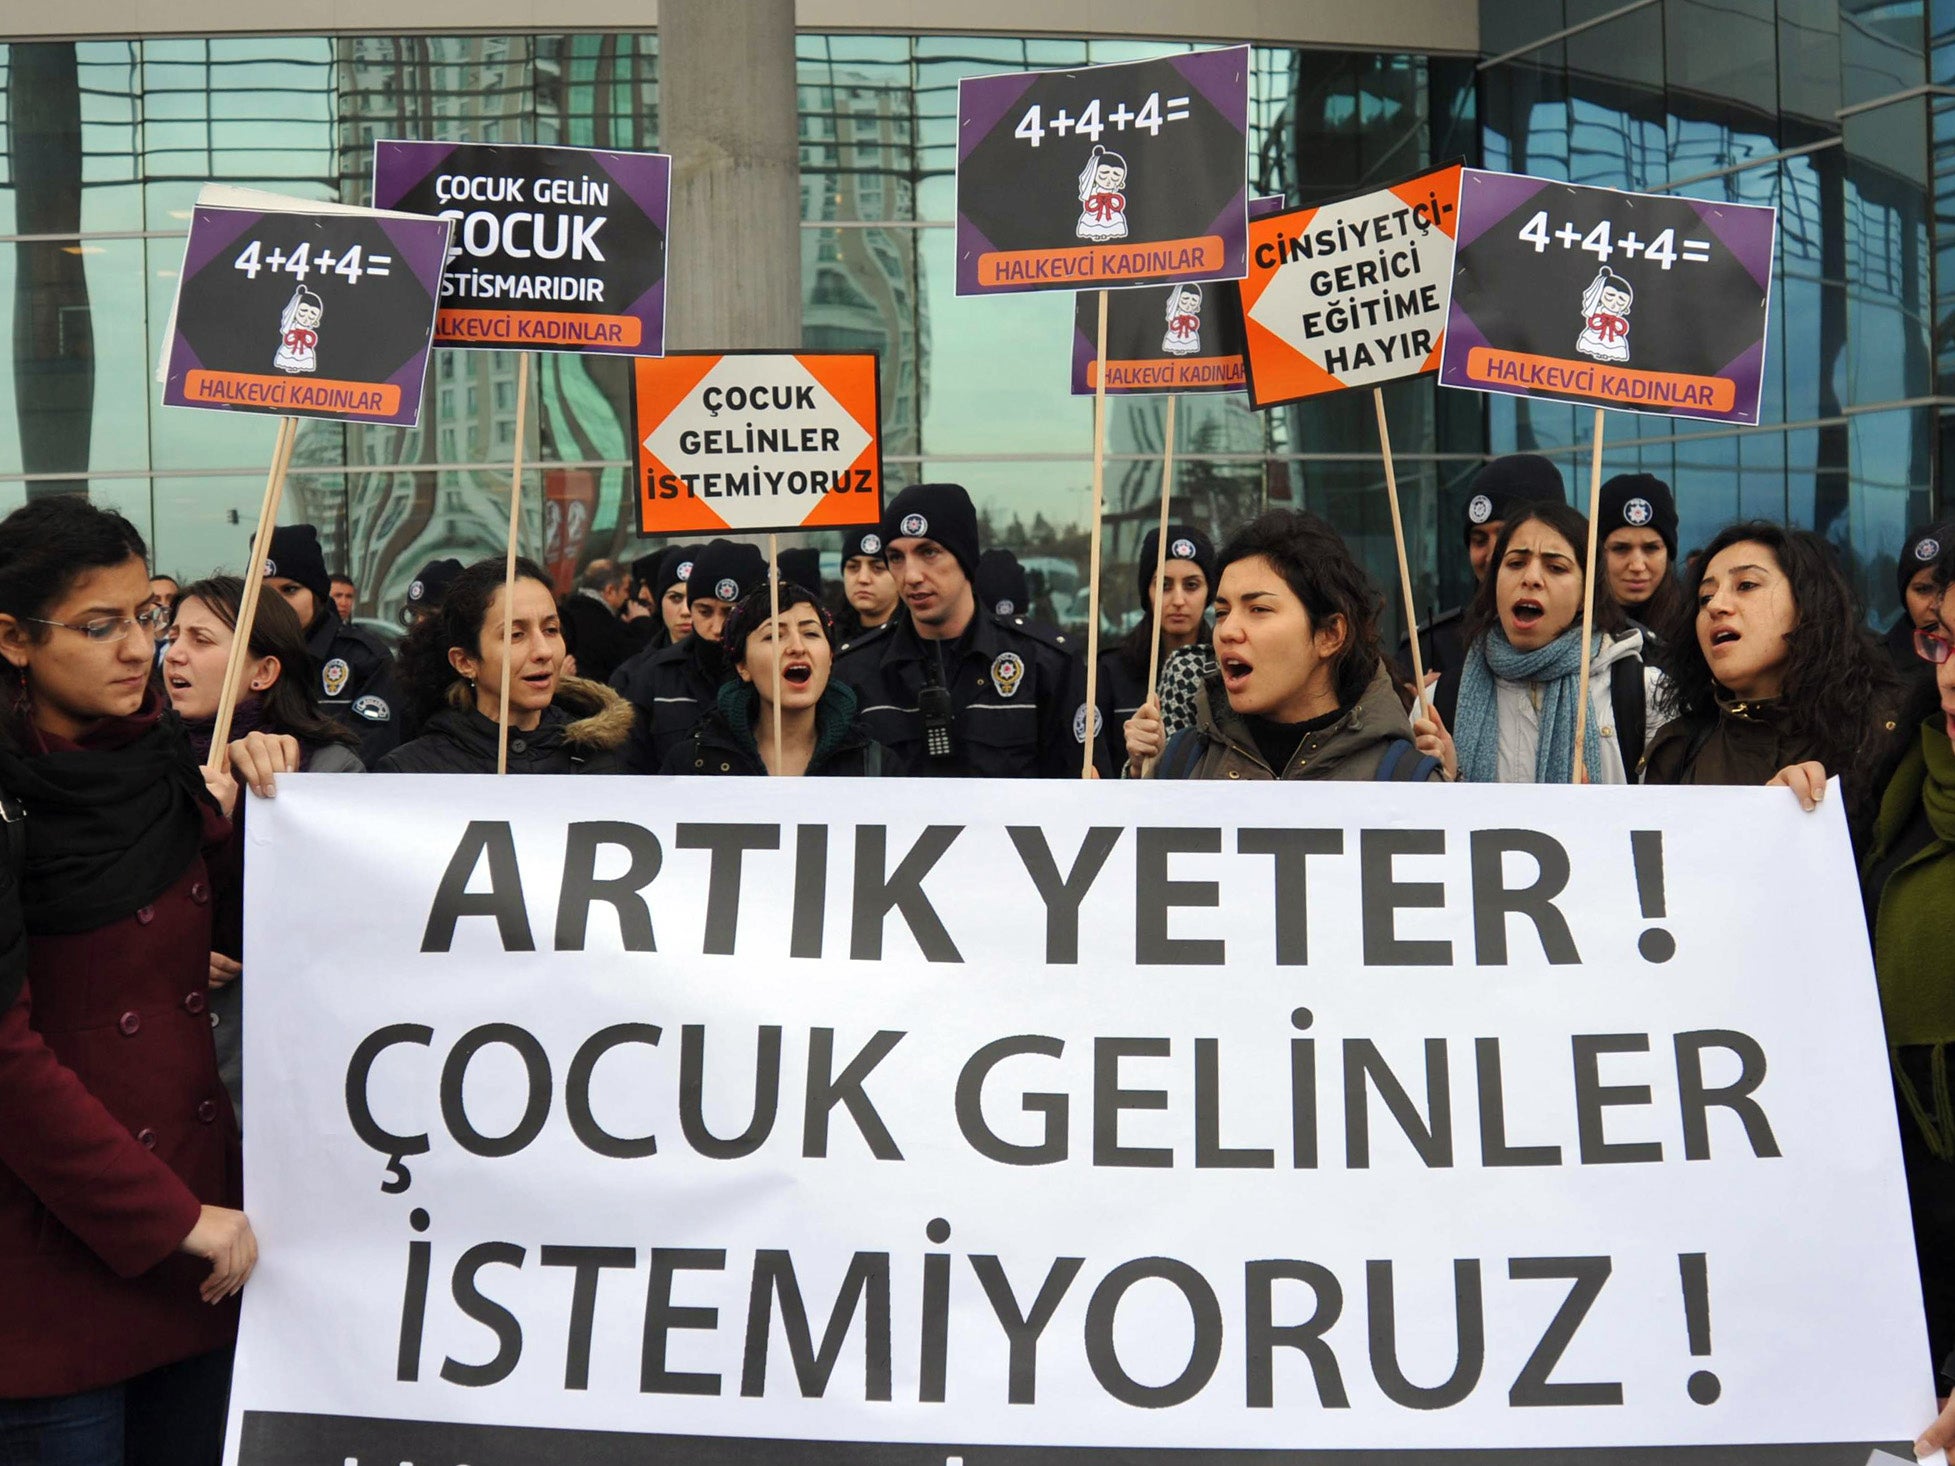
(1404, 565)
(1090, 711)
(774, 619)
(254, 584)
(509, 562)
(1576, 774)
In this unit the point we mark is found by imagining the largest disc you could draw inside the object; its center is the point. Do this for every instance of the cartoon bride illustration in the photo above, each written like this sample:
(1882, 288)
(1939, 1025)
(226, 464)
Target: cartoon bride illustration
(1605, 318)
(1184, 314)
(1103, 197)
(298, 333)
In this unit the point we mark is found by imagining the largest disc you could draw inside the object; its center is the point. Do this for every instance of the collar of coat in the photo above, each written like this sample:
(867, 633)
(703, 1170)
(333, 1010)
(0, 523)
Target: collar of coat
(585, 714)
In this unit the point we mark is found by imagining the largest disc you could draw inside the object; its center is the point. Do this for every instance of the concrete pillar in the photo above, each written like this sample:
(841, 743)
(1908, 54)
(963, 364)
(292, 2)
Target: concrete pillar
(727, 116)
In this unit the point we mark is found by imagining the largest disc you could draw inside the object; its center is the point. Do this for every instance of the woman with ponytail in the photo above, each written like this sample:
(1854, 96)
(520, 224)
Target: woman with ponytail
(121, 1246)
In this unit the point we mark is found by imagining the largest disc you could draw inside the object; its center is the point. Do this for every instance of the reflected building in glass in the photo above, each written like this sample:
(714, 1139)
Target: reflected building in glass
(1836, 111)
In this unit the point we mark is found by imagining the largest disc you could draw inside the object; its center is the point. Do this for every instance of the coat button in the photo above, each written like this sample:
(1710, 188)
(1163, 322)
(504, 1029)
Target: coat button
(146, 1138)
(193, 1002)
(1235, 773)
(207, 1111)
(1608, 731)
(129, 1023)
(145, 914)
(516, 745)
(726, 768)
(199, 892)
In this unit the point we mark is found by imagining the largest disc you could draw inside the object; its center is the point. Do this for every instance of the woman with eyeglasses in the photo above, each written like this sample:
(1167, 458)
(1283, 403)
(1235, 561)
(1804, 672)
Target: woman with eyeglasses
(1780, 681)
(122, 1247)
(1908, 883)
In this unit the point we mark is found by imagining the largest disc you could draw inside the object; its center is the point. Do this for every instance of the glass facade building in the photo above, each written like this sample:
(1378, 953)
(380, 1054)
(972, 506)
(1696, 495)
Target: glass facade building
(1837, 111)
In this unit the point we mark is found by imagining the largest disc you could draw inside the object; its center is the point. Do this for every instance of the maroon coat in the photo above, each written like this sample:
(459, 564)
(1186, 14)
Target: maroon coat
(114, 1129)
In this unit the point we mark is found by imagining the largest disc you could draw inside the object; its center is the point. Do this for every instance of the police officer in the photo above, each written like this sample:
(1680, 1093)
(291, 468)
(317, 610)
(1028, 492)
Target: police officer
(1496, 491)
(1178, 607)
(869, 596)
(672, 687)
(355, 670)
(425, 591)
(948, 686)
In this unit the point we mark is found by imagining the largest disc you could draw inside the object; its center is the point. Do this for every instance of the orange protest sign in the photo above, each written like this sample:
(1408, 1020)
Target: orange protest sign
(757, 442)
(1351, 293)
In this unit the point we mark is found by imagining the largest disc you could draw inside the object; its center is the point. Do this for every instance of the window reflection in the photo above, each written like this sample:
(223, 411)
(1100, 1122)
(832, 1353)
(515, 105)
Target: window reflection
(111, 138)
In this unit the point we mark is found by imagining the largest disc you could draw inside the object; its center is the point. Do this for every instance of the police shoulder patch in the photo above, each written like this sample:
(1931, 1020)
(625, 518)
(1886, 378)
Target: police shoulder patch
(334, 676)
(373, 709)
(1080, 733)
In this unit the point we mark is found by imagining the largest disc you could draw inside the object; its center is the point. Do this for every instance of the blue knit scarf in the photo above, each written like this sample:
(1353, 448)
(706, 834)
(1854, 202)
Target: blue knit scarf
(1557, 668)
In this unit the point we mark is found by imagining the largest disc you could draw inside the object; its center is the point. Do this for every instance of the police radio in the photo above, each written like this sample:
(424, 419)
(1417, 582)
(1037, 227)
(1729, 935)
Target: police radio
(933, 701)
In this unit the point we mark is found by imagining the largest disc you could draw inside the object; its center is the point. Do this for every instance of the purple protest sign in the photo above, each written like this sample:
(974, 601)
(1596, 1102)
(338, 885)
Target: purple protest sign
(1129, 174)
(1637, 301)
(324, 315)
(556, 249)
(1184, 337)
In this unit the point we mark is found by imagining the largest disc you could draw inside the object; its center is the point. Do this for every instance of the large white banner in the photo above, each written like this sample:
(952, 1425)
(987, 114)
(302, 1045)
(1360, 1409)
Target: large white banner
(926, 1121)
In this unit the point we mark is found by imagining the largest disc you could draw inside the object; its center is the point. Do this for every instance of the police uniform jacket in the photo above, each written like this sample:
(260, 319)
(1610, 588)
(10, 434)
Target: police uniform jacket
(354, 675)
(669, 690)
(1017, 697)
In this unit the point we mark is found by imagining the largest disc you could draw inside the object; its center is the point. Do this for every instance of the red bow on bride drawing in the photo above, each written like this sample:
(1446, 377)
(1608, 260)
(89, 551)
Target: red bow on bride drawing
(1103, 206)
(1185, 325)
(1610, 328)
(300, 339)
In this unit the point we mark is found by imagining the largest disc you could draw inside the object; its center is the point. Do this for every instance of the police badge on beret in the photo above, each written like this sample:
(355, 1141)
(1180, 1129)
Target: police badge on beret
(1480, 509)
(416, 591)
(1182, 550)
(271, 567)
(334, 676)
(1007, 671)
(685, 570)
(1927, 550)
(871, 544)
(728, 589)
(914, 525)
(1638, 512)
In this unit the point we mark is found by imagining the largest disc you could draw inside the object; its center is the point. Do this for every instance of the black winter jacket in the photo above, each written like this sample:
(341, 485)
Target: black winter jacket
(582, 732)
(723, 741)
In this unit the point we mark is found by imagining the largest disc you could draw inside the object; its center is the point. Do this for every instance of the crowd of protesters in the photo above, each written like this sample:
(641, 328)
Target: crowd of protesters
(123, 1242)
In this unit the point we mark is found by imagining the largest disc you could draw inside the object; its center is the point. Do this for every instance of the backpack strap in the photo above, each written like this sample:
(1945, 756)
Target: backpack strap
(1179, 758)
(1629, 698)
(1395, 768)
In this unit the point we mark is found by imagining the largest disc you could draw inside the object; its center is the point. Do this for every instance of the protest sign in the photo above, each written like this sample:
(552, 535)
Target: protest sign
(1351, 293)
(1637, 301)
(1094, 1116)
(1105, 175)
(741, 442)
(556, 249)
(1184, 337)
(304, 310)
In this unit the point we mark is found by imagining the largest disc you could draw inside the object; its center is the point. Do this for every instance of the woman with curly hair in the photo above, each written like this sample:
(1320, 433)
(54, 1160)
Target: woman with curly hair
(1781, 682)
(451, 667)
